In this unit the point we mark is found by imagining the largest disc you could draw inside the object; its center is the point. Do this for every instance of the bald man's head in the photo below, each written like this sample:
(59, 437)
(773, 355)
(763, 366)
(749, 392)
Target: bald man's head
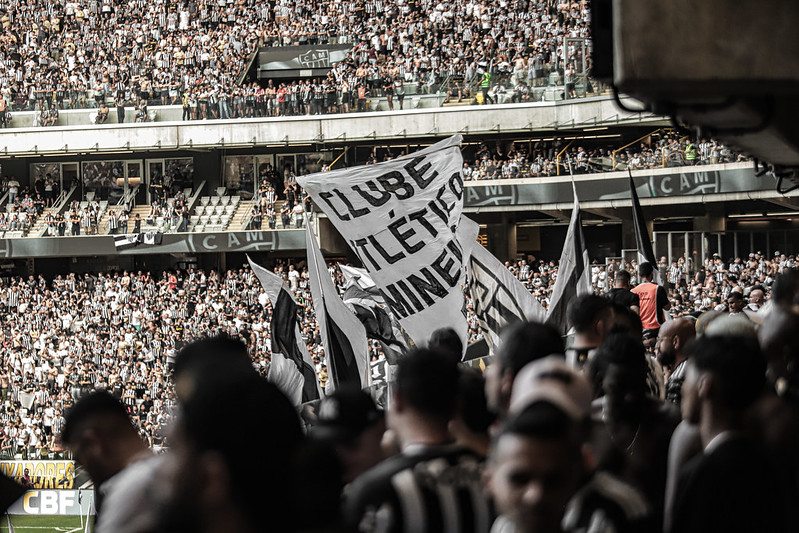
(672, 339)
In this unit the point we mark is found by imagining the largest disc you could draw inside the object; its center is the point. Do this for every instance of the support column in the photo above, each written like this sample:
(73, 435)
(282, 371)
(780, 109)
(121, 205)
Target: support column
(502, 238)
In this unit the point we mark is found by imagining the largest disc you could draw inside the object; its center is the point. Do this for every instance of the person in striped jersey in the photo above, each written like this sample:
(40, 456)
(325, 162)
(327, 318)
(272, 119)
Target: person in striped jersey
(432, 485)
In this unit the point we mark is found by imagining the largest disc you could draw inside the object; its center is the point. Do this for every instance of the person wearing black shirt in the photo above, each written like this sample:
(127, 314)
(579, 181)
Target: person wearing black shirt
(621, 293)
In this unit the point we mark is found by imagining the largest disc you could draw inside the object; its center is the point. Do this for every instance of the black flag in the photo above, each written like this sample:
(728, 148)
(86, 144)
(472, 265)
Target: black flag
(642, 242)
(574, 272)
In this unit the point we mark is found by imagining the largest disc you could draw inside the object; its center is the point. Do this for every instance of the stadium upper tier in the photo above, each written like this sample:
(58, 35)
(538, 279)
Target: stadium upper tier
(587, 113)
(77, 54)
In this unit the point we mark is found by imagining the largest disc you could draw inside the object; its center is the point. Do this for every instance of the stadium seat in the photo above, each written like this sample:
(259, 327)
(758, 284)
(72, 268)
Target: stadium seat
(230, 209)
(215, 200)
(220, 191)
(194, 219)
(204, 219)
(224, 220)
(204, 200)
(214, 220)
(225, 200)
(220, 210)
(199, 210)
(234, 200)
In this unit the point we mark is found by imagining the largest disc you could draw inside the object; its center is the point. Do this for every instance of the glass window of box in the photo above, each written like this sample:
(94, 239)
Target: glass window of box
(240, 175)
(103, 180)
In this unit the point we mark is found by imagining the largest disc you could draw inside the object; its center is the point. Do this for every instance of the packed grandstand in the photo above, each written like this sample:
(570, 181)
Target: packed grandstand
(615, 387)
(66, 336)
(71, 55)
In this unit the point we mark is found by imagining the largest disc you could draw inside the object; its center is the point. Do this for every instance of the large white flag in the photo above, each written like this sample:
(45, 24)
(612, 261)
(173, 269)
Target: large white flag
(343, 335)
(574, 271)
(286, 336)
(498, 297)
(401, 218)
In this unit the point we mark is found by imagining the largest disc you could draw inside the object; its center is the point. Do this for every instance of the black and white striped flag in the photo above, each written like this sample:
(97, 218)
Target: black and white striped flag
(362, 296)
(285, 333)
(343, 335)
(574, 271)
(498, 297)
(126, 241)
(645, 252)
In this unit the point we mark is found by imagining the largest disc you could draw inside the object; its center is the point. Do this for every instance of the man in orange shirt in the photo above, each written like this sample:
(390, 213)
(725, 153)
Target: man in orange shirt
(653, 300)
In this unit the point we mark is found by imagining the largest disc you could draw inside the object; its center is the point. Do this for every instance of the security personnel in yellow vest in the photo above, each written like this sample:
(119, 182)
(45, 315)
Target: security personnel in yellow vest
(690, 153)
(485, 85)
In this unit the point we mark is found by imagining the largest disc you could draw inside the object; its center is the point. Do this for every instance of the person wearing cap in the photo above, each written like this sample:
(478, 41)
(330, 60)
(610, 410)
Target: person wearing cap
(432, 485)
(351, 423)
(540, 474)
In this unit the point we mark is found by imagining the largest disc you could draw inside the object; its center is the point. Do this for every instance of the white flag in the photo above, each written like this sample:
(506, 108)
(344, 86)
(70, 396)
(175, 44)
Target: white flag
(498, 297)
(401, 218)
(343, 335)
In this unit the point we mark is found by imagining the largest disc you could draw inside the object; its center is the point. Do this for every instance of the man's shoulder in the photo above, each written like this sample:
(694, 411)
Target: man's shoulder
(380, 477)
(605, 497)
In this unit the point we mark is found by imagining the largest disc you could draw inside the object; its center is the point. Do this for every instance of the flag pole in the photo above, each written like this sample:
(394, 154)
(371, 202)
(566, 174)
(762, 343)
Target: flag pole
(80, 507)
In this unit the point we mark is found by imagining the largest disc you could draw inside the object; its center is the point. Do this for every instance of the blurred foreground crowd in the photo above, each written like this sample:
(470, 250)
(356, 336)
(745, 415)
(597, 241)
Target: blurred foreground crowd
(552, 438)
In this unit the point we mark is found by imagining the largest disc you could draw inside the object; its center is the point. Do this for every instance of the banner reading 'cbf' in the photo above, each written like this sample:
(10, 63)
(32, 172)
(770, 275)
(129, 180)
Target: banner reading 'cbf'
(401, 218)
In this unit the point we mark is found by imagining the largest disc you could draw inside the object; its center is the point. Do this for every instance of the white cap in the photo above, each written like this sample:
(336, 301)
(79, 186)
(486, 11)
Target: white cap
(551, 379)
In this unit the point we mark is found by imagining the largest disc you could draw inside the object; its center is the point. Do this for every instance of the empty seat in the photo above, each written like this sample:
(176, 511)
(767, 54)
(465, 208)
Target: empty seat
(225, 220)
(199, 210)
(204, 200)
(204, 219)
(220, 210)
(214, 200)
(194, 219)
(225, 200)
(220, 191)
(234, 200)
(229, 209)
(214, 219)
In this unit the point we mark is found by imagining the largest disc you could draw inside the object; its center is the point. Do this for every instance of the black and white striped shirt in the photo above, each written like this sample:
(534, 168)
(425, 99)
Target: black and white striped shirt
(424, 489)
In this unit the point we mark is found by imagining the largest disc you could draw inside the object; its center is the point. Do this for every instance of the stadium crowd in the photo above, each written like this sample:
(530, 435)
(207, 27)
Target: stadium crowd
(543, 442)
(78, 54)
(520, 160)
(120, 331)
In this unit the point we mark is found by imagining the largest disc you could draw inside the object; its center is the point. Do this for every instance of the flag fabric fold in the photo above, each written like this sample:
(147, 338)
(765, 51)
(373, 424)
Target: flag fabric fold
(574, 271)
(343, 335)
(364, 299)
(285, 332)
(498, 297)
